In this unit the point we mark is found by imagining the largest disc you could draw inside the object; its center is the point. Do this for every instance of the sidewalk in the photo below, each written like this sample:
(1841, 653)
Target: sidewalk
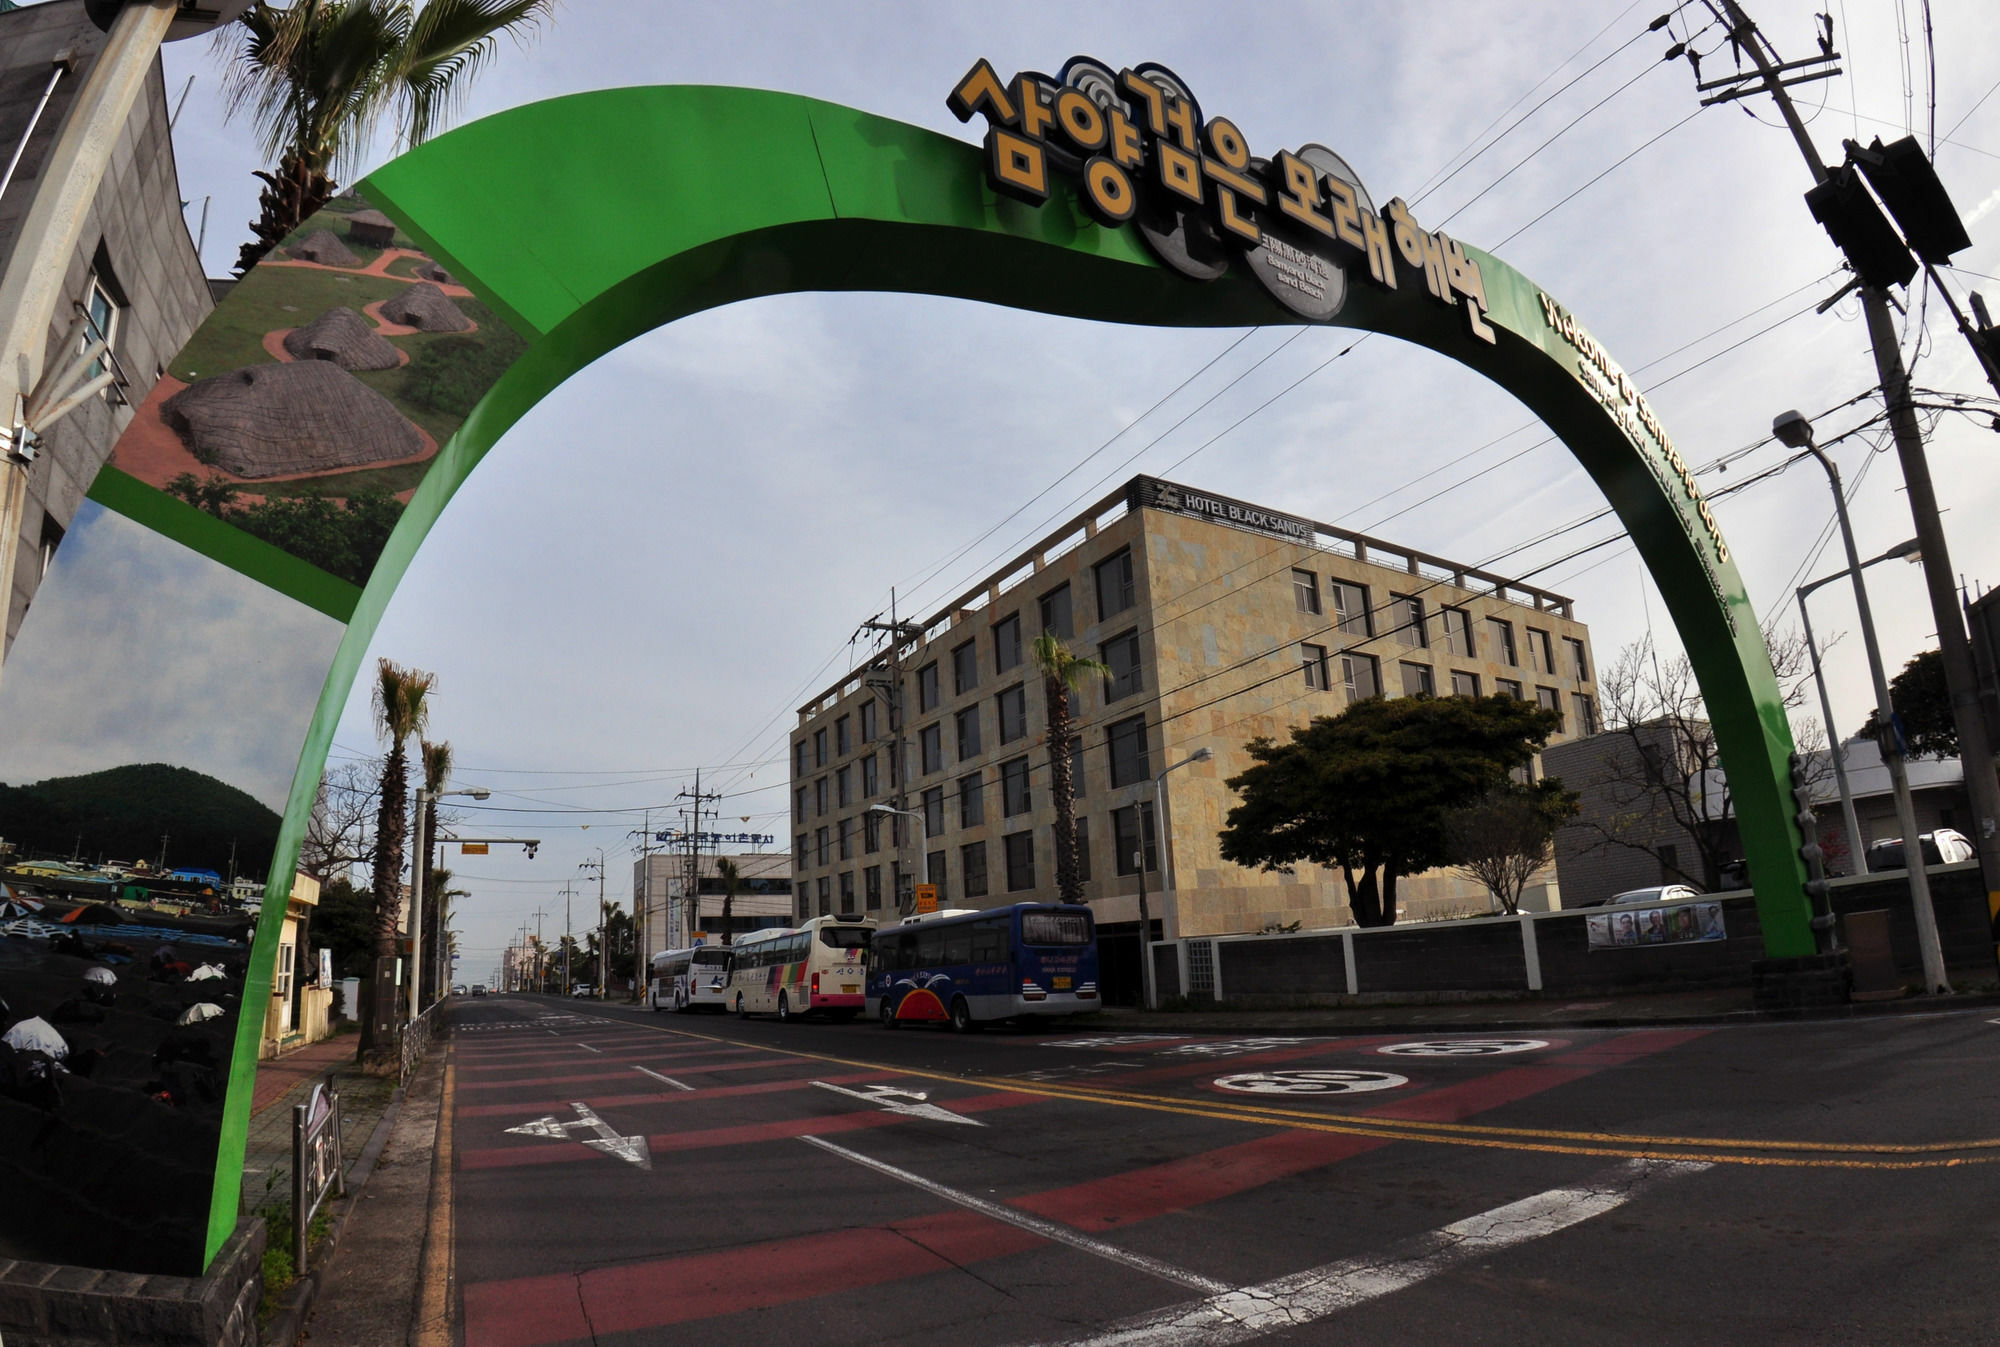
(288, 1080)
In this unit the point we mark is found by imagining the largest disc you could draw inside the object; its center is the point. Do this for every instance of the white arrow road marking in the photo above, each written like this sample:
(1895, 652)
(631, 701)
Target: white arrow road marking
(887, 1095)
(607, 1139)
(1049, 1230)
(667, 1079)
(587, 1048)
(1291, 1302)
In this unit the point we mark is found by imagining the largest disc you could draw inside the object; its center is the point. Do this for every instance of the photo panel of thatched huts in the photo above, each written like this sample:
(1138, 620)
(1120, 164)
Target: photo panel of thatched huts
(308, 407)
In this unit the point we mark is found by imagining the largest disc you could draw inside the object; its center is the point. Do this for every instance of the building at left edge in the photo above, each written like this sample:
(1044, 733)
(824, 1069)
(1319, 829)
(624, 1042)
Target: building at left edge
(134, 270)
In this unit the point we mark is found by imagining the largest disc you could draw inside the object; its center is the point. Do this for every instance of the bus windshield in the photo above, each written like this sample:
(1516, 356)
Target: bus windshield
(1055, 928)
(845, 937)
(711, 958)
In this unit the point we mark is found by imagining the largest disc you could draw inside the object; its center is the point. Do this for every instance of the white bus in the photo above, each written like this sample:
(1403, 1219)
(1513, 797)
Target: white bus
(696, 978)
(820, 967)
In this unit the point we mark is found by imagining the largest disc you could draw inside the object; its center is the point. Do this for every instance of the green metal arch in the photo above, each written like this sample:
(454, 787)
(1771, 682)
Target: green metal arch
(591, 219)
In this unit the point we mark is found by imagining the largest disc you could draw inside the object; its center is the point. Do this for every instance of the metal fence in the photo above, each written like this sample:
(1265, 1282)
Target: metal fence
(416, 1040)
(317, 1163)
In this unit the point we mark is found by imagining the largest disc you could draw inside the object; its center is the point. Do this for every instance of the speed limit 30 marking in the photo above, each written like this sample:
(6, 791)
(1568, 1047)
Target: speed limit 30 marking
(1463, 1047)
(1311, 1082)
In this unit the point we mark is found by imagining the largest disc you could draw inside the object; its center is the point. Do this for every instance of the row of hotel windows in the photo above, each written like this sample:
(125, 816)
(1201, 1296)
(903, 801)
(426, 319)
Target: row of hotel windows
(1411, 628)
(978, 870)
(1361, 677)
(1130, 764)
(1115, 591)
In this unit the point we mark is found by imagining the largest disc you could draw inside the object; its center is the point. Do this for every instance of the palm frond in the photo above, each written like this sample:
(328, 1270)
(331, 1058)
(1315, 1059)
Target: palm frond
(448, 43)
(437, 765)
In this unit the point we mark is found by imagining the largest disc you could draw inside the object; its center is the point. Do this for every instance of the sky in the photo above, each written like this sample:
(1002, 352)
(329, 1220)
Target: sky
(667, 557)
(214, 671)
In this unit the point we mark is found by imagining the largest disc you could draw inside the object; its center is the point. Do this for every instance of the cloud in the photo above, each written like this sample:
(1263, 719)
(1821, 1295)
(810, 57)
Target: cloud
(140, 650)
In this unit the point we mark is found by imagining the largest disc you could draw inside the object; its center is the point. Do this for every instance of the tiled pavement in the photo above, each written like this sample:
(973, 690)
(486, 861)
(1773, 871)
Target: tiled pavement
(288, 1080)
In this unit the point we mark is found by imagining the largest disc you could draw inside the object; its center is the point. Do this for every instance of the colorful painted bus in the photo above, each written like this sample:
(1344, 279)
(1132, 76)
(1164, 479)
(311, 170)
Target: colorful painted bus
(695, 978)
(819, 967)
(1028, 961)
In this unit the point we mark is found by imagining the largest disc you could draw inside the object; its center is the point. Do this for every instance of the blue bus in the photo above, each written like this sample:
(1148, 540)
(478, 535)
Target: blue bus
(969, 968)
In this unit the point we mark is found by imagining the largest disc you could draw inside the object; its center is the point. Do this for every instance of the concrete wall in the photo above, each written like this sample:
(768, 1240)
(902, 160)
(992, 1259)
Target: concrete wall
(135, 225)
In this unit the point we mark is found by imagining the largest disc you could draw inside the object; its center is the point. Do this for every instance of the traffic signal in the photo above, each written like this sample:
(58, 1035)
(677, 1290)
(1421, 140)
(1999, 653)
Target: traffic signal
(1908, 186)
(1859, 229)
(1808, 820)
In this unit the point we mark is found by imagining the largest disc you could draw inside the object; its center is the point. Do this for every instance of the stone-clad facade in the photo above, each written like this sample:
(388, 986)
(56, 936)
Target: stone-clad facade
(1222, 622)
(134, 250)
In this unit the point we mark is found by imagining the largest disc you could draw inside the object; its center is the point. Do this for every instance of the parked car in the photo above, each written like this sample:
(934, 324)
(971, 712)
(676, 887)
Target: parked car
(584, 989)
(458, 989)
(1655, 893)
(1942, 847)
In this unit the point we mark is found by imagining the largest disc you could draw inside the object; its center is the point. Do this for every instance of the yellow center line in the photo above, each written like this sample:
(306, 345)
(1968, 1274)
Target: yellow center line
(435, 1303)
(1620, 1145)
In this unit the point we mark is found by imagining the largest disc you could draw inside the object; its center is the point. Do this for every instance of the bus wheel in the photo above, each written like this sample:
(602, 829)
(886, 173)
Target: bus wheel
(680, 1003)
(741, 1013)
(784, 1009)
(888, 1013)
(961, 1016)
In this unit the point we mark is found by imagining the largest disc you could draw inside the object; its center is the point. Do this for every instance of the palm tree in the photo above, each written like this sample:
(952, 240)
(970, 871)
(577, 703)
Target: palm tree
(399, 713)
(424, 880)
(731, 877)
(1063, 671)
(318, 75)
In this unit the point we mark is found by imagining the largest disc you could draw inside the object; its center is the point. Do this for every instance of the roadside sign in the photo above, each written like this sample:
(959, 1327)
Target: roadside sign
(926, 898)
(472, 849)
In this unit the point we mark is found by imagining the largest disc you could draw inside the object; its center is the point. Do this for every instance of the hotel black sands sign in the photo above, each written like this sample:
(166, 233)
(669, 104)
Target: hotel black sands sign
(1139, 150)
(1152, 493)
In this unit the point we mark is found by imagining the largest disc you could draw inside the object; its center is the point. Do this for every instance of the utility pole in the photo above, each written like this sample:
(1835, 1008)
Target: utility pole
(890, 691)
(603, 928)
(692, 889)
(641, 915)
(568, 940)
(1954, 647)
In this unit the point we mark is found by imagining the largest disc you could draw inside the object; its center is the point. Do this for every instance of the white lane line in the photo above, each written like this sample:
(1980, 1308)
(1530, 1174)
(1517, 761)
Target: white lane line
(1049, 1230)
(587, 1048)
(1291, 1302)
(668, 1079)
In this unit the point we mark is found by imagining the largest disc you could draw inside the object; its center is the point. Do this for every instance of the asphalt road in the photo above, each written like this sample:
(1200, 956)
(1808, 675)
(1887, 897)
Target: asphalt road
(620, 1177)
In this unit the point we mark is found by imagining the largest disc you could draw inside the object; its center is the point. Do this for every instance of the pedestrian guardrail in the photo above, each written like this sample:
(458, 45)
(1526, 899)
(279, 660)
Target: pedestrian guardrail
(318, 1167)
(416, 1040)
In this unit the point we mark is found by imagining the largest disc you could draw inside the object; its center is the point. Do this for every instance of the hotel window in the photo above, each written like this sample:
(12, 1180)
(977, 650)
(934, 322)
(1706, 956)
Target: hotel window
(930, 740)
(1056, 614)
(1551, 700)
(1358, 675)
(819, 798)
(871, 833)
(972, 869)
(1464, 684)
(1457, 631)
(103, 308)
(1507, 687)
(1132, 830)
(1128, 752)
(871, 887)
(799, 805)
(1579, 664)
(1407, 613)
(1007, 643)
(971, 800)
(1313, 657)
(1014, 795)
(804, 853)
(1121, 653)
(819, 747)
(965, 668)
(968, 733)
(870, 777)
(1114, 585)
(1083, 850)
(825, 897)
(842, 742)
(1500, 635)
(843, 786)
(805, 899)
(1586, 712)
(819, 846)
(1020, 861)
(1417, 680)
(802, 757)
(934, 812)
(934, 875)
(1076, 782)
(847, 891)
(1540, 655)
(1305, 591)
(1013, 713)
(847, 839)
(927, 688)
(1350, 607)
(868, 722)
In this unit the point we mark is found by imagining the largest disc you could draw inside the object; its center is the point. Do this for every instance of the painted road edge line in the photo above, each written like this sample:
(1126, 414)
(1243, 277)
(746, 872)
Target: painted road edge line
(1049, 1230)
(1291, 1302)
(667, 1079)
(435, 1299)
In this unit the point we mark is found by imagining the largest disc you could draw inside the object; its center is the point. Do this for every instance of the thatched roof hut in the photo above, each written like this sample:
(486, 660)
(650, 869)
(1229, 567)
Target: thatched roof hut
(271, 420)
(322, 247)
(431, 271)
(424, 307)
(371, 229)
(344, 337)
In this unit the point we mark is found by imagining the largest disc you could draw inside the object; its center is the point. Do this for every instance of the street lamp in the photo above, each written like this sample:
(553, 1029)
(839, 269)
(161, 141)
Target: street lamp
(1164, 839)
(1795, 432)
(1854, 843)
(923, 843)
(419, 875)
